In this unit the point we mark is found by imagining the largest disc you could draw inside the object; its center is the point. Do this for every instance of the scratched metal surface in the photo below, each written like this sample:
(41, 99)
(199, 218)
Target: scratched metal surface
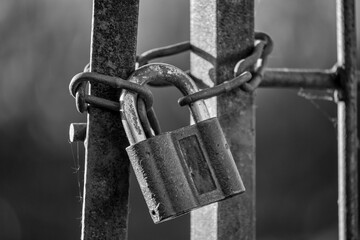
(105, 209)
(303, 78)
(226, 32)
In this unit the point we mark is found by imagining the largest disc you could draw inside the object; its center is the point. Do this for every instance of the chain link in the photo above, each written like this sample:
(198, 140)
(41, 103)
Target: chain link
(224, 87)
(78, 87)
(166, 51)
(146, 113)
(242, 78)
(255, 63)
(263, 48)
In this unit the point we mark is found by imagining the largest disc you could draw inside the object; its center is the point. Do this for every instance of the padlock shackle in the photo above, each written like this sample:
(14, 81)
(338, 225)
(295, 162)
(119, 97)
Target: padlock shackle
(148, 73)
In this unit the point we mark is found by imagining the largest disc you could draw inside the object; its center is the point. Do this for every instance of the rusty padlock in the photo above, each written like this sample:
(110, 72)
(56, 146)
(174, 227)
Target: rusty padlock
(181, 170)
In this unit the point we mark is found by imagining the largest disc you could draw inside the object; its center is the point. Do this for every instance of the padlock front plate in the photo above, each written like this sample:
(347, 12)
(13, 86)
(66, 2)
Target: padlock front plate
(216, 157)
(197, 163)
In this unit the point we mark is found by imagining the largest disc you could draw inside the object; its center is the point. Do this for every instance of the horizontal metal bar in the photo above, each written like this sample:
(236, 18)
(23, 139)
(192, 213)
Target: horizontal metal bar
(302, 78)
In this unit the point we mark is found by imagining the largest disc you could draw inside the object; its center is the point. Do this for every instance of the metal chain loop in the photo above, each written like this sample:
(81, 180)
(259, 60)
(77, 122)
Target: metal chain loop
(248, 82)
(160, 52)
(242, 78)
(170, 50)
(77, 89)
(263, 48)
(224, 87)
(78, 85)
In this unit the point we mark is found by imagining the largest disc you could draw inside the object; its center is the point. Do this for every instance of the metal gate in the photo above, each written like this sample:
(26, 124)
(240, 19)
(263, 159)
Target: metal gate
(225, 31)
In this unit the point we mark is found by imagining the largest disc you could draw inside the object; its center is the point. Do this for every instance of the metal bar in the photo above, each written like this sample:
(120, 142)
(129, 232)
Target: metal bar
(347, 122)
(303, 78)
(225, 31)
(105, 207)
(300, 78)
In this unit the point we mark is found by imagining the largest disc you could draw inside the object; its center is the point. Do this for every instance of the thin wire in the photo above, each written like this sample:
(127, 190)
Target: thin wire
(311, 98)
(76, 168)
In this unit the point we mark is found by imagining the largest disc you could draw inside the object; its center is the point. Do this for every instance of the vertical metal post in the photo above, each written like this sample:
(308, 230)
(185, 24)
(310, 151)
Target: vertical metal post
(347, 121)
(113, 49)
(222, 32)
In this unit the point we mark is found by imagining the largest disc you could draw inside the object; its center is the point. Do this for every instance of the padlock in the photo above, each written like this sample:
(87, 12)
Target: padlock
(181, 170)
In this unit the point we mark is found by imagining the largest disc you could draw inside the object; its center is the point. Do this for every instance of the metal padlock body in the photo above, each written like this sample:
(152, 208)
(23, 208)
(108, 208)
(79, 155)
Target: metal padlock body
(196, 156)
(181, 170)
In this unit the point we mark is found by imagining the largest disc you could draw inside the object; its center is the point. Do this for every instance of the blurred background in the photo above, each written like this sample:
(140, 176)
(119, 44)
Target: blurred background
(43, 43)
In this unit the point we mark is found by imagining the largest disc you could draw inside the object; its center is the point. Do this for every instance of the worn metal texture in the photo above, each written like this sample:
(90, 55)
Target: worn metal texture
(185, 169)
(217, 90)
(170, 50)
(303, 78)
(300, 78)
(347, 122)
(77, 85)
(106, 186)
(225, 31)
(150, 73)
(262, 49)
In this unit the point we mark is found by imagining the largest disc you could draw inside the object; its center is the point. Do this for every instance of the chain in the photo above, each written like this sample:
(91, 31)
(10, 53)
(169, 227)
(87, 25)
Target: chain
(224, 87)
(78, 87)
(262, 50)
(146, 113)
(243, 79)
(166, 51)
